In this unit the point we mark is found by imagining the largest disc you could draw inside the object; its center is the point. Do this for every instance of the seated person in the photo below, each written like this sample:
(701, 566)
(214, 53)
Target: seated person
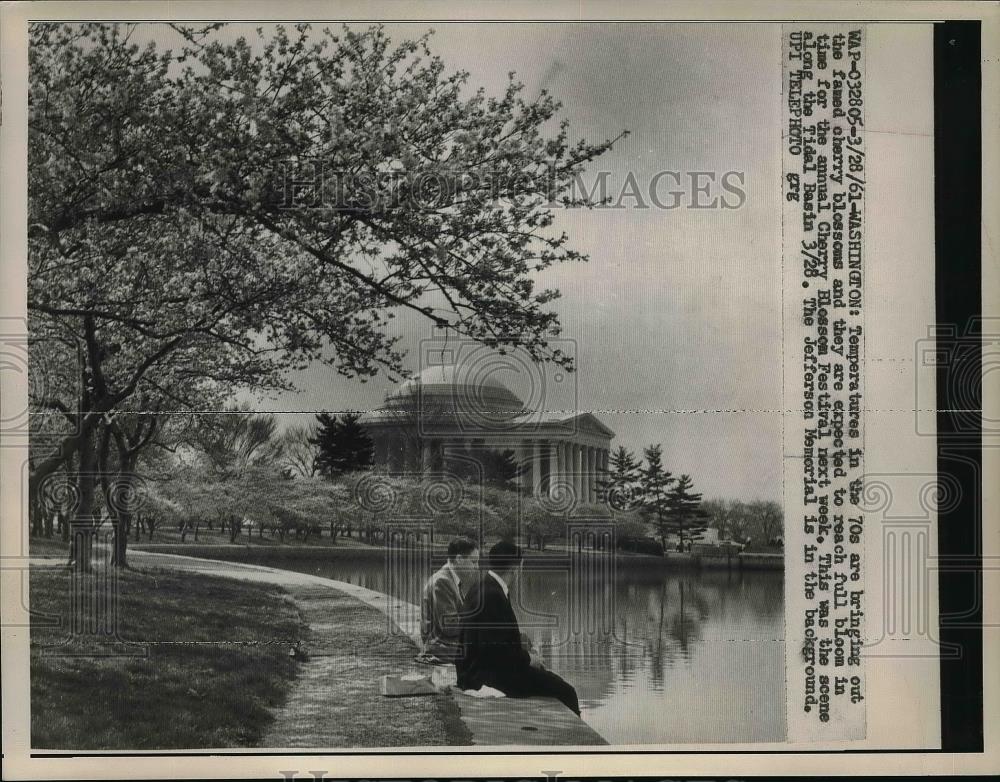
(441, 601)
(493, 653)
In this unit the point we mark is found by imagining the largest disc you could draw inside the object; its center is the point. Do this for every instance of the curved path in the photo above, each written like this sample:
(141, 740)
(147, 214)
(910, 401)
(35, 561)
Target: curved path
(310, 716)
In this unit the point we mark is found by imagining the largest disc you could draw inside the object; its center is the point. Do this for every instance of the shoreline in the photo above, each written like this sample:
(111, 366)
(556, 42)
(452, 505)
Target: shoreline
(464, 719)
(554, 557)
(305, 719)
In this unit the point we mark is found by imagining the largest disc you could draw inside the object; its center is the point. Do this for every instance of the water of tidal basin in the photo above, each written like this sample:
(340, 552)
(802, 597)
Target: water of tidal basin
(695, 656)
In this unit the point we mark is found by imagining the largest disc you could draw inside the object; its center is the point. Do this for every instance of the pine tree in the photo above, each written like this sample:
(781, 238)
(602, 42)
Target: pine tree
(499, 469)
(620, 486)
(684, 514)
(343, 445)
(655, 483)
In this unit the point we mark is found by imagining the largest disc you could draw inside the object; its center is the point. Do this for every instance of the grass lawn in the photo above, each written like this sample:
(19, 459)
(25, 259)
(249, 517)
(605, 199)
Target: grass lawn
(48, 548)
(217, 664)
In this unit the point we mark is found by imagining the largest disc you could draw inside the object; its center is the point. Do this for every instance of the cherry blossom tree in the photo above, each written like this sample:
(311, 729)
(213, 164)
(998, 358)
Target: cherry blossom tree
(218, 214)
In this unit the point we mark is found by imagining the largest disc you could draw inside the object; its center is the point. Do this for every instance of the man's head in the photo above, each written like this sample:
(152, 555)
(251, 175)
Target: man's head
(505, 560)
(463, 554)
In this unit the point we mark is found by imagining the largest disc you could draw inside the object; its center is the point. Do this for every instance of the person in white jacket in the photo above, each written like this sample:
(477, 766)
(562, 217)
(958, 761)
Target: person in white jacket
(441, 601)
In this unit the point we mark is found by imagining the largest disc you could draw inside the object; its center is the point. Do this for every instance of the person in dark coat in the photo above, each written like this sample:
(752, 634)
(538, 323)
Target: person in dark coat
(493, 651)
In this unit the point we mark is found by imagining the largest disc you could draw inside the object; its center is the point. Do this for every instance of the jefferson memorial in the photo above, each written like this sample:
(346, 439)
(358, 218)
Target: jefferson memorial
(445, 414)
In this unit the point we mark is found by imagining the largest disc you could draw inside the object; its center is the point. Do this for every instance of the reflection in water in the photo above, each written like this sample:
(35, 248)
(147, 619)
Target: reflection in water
(657, 657)
(692, 656)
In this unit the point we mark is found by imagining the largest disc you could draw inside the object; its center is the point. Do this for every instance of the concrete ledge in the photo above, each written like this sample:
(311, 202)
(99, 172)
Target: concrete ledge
(524, 722)
(762, 561)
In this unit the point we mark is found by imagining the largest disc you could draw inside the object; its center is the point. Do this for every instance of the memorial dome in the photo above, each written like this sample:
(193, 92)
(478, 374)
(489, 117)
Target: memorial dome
(458, 388)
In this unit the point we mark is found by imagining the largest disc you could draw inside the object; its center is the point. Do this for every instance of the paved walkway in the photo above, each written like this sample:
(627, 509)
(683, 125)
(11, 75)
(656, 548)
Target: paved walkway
(310, 718)
(340, 681)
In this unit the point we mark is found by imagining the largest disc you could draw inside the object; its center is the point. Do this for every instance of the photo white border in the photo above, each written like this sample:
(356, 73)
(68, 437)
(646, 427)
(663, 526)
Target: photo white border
(715, 760)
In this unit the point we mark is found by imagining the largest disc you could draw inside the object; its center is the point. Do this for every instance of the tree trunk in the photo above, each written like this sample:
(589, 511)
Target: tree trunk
(35, 528)
(81, 539)
(124, 511)
(62, 455)
(116, 496)
(119, 559)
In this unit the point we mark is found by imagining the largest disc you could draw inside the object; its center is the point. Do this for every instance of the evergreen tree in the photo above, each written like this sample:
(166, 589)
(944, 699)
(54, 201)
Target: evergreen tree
(499, 469)
(343, 445)
(620, 486)
(655, 483)
(684, 514)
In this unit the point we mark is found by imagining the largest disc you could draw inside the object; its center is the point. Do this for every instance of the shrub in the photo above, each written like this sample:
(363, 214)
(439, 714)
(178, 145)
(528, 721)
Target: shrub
(633, 535)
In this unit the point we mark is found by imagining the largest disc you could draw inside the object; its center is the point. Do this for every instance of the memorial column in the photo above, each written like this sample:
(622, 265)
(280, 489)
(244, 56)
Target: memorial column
(536, 467)
(577, 472)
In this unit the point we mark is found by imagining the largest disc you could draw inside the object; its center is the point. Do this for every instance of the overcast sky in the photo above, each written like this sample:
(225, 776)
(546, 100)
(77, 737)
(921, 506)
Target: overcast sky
(678, 311)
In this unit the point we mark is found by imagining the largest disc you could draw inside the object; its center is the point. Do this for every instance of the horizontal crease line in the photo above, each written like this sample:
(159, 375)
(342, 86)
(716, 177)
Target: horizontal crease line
(531, 415)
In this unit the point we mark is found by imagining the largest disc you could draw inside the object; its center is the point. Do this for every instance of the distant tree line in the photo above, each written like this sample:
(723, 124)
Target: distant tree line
(673, 509)
(236, 472)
